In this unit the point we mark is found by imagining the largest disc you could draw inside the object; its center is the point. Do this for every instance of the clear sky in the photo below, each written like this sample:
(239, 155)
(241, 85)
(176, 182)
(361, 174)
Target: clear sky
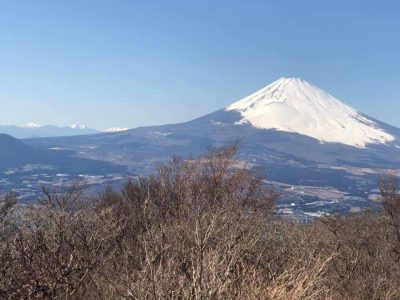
(132, 63)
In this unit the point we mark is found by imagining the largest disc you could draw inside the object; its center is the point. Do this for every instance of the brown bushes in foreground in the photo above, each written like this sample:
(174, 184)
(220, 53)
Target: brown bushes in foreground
(200, 229)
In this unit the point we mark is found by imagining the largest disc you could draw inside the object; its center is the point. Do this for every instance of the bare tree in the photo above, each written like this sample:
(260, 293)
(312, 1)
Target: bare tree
(202, 228)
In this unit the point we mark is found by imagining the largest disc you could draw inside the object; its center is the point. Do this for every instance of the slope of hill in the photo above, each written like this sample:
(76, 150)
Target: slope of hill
(11, 147)
(26, 168)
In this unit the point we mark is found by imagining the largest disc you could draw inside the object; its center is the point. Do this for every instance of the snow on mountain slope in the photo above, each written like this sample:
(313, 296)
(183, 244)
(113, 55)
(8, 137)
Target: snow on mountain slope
(31, 125)
(295, 105)
(116, 129)
(30, 130)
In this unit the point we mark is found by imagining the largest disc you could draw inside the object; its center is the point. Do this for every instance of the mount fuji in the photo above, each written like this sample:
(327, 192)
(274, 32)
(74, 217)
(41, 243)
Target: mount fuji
(294, 105)
(321, 154)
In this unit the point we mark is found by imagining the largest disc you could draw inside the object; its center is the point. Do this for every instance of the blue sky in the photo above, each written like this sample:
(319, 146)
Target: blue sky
(133, 63)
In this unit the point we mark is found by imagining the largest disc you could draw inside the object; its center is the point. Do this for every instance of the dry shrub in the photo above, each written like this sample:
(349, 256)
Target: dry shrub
(199, 229)
(303, 280)
(389, 187)
(56, 248)
(365, 264)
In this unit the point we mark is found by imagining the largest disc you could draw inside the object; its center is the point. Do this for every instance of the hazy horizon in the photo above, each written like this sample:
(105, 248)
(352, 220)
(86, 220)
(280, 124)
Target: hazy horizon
(139, 63)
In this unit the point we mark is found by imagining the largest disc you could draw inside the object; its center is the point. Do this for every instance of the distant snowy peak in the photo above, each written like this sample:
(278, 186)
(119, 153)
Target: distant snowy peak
(76, 126)
(295, 105)
(34, 130)
(116, 129)
(31, 125)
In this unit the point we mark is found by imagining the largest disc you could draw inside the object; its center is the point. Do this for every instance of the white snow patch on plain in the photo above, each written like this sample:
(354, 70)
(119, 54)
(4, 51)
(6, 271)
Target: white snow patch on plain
(315, 214)
(216, 123)
(58, 148)
(160, 133)
(295, 105)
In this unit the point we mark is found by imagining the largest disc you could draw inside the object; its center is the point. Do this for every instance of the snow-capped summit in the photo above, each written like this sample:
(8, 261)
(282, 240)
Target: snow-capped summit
(295, 105)
(31, 125)
(34, 130)
(116, 129)
(77, 126)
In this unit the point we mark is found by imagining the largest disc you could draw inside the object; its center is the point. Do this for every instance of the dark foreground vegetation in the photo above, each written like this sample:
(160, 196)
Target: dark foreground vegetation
(200, 229)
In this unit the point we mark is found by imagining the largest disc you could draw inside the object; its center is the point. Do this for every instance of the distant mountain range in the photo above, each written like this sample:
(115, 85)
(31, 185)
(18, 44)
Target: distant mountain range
(34, 130)
(321, 154)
